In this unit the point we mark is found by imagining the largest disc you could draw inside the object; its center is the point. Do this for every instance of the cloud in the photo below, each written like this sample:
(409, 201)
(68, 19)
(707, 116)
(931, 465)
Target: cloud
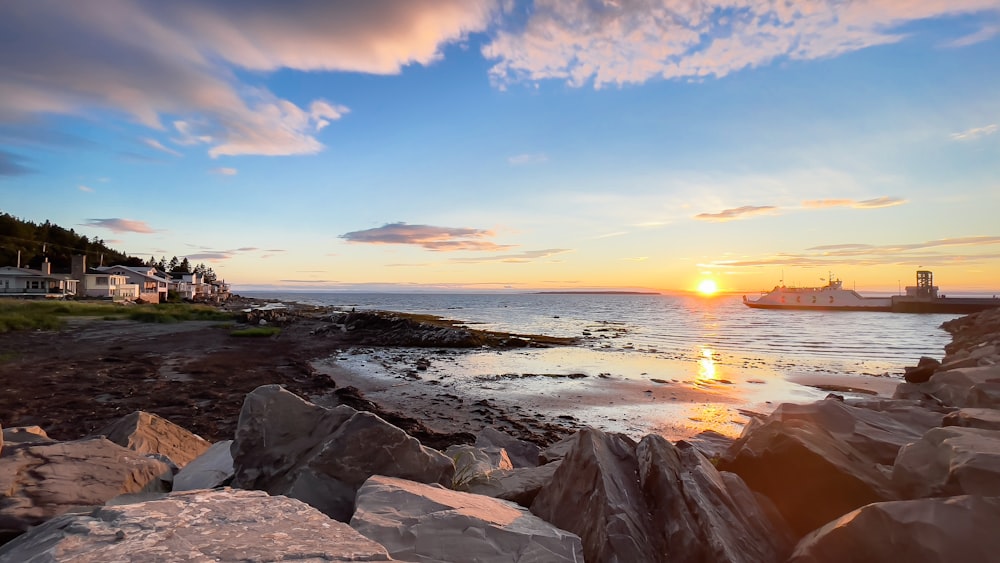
(429, 237)
(736, 213)
(185, 60)
(623, 42)
(975, 133)
(518, 258)
(87, 189)
(525, 159)
(210, 256)
(153, 143)
(121, 225)
(876, 203)
(225, 171)
(853, 254)
(10, 165)
(985, 33)
(308, 281)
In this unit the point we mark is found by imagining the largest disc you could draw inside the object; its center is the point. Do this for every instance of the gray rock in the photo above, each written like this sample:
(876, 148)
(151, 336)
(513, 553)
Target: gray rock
(823, 459)
(150, 434)
(472, 462)
(24, 435)
(988, 419)
(363, 446)
(701, 514)
(288, 446)
(595, 494)
(417, 522)
(966, 387)
(40, 481)
(936, 530)
(275, 431)
(710, 443)
(209, 470)
(557, 451)
(520, 452)
(517, 485)
(950, 461)
(222, 525)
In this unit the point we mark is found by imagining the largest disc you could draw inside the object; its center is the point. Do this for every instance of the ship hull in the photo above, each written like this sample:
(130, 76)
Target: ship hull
(784, 306)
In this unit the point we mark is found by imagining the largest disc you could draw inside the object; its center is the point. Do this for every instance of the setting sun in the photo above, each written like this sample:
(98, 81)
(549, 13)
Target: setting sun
(708, 287)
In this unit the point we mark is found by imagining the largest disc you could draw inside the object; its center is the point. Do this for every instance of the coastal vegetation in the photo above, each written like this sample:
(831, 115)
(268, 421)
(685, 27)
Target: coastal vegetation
(256, 331)
(50, 315)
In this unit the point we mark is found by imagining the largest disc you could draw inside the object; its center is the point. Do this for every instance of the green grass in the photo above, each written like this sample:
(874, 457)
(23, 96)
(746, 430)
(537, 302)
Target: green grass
(50, 315)
(256, 331)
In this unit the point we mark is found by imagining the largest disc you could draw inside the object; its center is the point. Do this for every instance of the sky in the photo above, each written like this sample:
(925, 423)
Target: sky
(509, 145)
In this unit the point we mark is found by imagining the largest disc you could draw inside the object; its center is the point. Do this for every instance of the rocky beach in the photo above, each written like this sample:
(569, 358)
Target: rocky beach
(129, 441)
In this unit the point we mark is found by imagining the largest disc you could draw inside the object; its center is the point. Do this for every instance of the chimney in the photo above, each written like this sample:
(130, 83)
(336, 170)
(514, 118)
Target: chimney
(79, 267)
(46, 267)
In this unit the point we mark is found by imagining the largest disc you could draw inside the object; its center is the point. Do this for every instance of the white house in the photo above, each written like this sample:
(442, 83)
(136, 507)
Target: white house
(104, 285)
(26, 282)
(189, 285)
(153, 284)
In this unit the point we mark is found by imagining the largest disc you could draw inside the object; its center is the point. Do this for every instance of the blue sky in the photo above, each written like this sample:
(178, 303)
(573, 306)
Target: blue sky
(478, 144)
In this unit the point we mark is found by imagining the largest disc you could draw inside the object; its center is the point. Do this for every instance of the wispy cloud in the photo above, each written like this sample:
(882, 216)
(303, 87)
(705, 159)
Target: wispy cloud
(121, 225)
(985, 33)
(517, 258)
(975, 133)
(524, 159)
(737, 213)
(11, 165)
(580, 41)
(876, 203)
(225, 171)
(187, 63)
(87, 189)
(427, 236)
(153, 143)
(854, 254)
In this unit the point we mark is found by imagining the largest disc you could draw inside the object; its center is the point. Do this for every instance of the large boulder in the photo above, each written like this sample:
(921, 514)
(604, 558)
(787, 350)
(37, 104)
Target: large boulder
(595, 494)
(208, 471)
(40, 481)
(964, 387)
(473, 463)
(950, 461)
(417, 522)
(520, 485)
(938, 530)
(285, 445)
(823, 459)
(520, 452)
(148, 433)
(701, 514)
(222, 525)
(24, 435)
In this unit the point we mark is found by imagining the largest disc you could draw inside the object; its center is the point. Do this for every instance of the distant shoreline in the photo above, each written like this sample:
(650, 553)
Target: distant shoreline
(596, 293)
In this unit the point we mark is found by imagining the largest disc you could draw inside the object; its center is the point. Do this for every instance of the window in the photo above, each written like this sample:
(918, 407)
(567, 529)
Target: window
(102, 280)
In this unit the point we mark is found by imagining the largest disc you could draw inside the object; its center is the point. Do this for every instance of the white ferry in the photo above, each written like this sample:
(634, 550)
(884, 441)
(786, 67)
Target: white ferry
(831, 297)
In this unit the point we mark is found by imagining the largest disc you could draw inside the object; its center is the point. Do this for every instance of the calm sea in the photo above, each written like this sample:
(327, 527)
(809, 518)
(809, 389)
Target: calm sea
(681, 327)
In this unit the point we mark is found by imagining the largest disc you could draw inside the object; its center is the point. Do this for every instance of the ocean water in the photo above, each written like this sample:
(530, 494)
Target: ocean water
(670, 364)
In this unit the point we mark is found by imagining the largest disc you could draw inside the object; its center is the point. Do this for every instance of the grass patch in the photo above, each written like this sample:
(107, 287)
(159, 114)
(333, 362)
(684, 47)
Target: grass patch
(16, 314)
(8, 357)
(256, 331)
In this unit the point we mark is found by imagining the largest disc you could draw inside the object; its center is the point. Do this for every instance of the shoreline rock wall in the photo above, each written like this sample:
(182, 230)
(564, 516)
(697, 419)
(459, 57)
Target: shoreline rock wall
(915, 477)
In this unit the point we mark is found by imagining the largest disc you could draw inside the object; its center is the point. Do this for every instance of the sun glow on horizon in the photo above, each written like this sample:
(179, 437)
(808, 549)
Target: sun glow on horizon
(708, 287)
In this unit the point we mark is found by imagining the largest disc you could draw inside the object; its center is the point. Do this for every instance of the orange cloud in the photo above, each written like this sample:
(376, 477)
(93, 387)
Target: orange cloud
(446, 239)
(736, 213)
(879, 202)
(121, 225)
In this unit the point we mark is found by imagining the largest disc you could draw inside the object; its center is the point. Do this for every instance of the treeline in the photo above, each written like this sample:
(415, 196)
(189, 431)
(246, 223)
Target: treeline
(35, 241)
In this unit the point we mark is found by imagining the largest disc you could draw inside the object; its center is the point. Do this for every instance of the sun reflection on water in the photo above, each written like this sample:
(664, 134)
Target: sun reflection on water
(706, 365)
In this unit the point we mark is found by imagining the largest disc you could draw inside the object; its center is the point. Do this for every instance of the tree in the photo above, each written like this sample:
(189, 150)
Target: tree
(172, 266)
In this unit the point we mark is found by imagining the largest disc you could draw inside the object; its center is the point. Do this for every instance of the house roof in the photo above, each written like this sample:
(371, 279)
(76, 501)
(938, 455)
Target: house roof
(137, 271)
(31, 273)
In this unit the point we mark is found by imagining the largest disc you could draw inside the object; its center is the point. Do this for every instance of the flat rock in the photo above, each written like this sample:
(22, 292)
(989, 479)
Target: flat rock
(24, 435)
(520, 485)
(821, 460)
(950, 461)
(472, 462)
(40, 481)
(148, 433)
(988, 419)
(595, 494)
(209, 470)
(965, 387)
(417, 522)
(938, 530)
(221, 525)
